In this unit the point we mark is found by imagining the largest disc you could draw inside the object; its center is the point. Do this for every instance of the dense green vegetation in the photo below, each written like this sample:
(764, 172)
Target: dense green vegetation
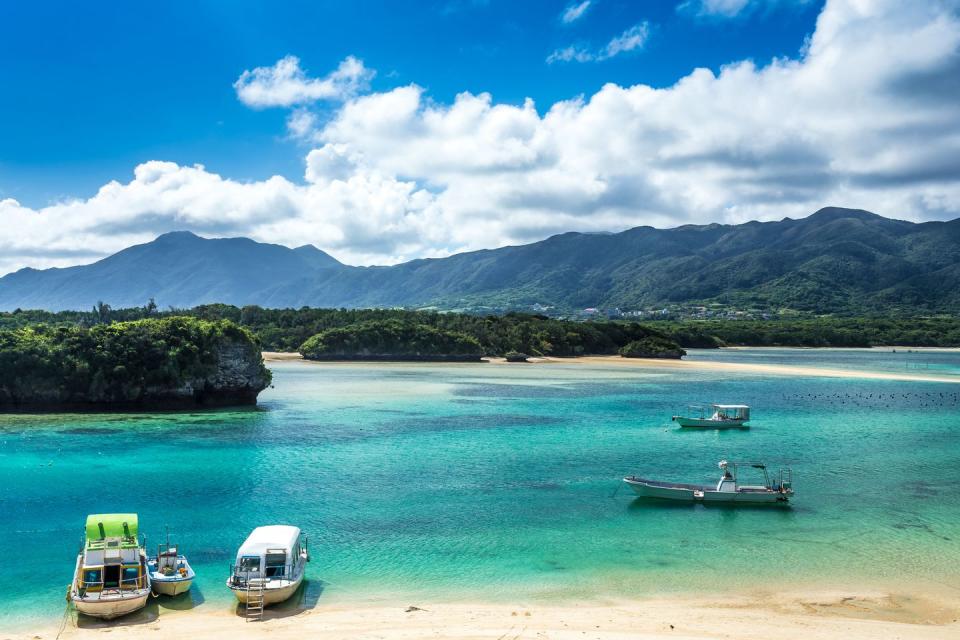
(652, 347)
(288, 329)
(173, 361)
(816, 332)
(536, 335)
(388, 340)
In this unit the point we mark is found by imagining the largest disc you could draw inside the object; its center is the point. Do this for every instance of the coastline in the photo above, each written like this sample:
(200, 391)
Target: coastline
(691, 365)
(744, 367)
(806, 615)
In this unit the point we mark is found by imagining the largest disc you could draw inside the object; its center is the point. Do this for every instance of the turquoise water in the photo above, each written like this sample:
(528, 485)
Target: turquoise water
(418, 482)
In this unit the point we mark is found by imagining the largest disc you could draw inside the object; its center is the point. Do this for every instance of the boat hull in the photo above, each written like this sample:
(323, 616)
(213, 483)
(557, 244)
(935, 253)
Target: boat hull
(109, 608)
(692, 493)
(706, 423)
(271, 595)
(171, 587)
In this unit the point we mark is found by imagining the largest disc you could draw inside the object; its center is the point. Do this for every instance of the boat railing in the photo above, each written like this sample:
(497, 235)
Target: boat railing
(786, 479)
(240, 576)
(98, 589)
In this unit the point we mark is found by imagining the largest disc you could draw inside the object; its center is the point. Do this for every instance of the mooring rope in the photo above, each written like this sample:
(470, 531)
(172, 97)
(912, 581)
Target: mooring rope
(63, 622)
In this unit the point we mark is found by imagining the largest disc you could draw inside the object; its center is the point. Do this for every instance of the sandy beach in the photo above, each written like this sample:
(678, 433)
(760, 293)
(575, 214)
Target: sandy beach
(694, 365)
(806, 616)
(743, 367)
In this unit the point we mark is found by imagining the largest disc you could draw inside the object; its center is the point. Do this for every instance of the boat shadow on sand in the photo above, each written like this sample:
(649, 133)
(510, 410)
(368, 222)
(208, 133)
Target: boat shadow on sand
(149, 613)
(303, 599)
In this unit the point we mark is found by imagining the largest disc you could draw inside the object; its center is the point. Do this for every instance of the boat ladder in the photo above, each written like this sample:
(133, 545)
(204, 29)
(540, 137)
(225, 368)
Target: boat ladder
(254, 608)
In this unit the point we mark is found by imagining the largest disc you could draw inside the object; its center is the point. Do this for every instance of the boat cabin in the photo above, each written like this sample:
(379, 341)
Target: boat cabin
(112, 558)
(739, 412)
(275, 552)
(729, 480)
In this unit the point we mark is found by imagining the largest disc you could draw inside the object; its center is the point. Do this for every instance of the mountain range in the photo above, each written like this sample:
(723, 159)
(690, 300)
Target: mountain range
(833, 261)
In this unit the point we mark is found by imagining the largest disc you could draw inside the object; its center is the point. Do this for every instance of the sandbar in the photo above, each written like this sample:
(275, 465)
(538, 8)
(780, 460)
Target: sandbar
(679, 365)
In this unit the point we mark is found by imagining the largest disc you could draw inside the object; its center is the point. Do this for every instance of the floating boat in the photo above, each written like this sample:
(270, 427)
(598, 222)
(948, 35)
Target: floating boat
(170, 573)
(715, 416)
(111, 577)
(728, 489)
(269, 568)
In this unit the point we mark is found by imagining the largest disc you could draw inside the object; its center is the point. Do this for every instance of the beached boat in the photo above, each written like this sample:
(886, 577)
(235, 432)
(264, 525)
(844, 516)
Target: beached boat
(110, 578)
(728, 489)
(170, 573)
(715, 416)
(270, 566)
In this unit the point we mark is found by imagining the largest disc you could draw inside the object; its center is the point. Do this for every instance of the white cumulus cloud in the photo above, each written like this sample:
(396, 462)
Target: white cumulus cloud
(286, 84)
(574, 11)
(866, 115)
(731, 8)
(633, 38)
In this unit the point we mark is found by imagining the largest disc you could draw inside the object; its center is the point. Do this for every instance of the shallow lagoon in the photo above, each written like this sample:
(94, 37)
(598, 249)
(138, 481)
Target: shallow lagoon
(418, 482)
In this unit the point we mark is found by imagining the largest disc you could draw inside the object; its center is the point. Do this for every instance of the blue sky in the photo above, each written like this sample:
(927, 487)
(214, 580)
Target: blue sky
(93, 89)
(386, 131)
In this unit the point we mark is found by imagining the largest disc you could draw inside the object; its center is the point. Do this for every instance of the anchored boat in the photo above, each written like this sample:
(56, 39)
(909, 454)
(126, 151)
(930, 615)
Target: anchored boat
(111, 577)
(715, 416)
(269, 568)
(170, 573)
(728, 489)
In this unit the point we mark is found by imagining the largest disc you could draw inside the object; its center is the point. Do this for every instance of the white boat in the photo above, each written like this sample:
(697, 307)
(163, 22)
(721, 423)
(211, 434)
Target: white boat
(110, 578)
(715, 416)
(728, 489)
(270, 566)
(170, 573)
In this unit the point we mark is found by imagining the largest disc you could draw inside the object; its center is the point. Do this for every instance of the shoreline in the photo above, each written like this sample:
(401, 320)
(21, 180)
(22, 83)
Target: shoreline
(670, 364)
(800, 615)
(752, 368)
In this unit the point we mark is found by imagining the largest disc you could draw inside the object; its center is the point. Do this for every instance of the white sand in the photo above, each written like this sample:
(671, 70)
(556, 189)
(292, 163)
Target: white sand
(743, 367)
(693, 365)
(800, 616)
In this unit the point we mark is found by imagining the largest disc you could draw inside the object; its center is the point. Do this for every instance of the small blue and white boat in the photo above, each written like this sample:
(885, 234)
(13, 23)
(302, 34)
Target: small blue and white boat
(170, 573)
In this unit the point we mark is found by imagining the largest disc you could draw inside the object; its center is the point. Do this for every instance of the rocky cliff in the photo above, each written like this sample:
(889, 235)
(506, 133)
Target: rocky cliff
(170, 363)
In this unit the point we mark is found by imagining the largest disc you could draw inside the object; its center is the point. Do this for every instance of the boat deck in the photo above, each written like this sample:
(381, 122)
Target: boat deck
(673, 485)
(697, 487)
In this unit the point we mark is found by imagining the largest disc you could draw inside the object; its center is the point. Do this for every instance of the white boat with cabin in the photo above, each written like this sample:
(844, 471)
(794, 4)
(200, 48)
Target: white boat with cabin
(715, 416)
(269, 567)
(170, 573)
(111, 577)
(728, 489)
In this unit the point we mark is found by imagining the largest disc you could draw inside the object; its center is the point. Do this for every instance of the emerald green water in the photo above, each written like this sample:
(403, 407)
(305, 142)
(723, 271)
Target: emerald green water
(419, 482)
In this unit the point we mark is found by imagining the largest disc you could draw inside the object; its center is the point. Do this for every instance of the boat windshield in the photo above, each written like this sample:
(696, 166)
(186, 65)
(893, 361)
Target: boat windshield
(276, 563)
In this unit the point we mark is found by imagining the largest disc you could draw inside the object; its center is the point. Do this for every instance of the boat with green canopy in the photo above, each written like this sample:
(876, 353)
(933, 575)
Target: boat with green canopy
(111, 578)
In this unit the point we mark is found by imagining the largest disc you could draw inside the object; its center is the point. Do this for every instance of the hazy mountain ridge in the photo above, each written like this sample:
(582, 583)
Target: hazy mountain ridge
(836, 260)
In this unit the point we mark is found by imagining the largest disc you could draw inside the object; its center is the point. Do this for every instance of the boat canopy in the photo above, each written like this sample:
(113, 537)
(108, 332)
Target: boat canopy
(728, 463)
(101, 526)
(273, 538)
(731, 406)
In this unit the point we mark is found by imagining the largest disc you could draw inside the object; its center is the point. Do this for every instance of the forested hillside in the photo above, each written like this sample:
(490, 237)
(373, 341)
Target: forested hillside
(836, 261)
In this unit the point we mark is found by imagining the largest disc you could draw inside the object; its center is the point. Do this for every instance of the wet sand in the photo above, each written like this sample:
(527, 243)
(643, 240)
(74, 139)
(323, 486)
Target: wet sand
(800, 616)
